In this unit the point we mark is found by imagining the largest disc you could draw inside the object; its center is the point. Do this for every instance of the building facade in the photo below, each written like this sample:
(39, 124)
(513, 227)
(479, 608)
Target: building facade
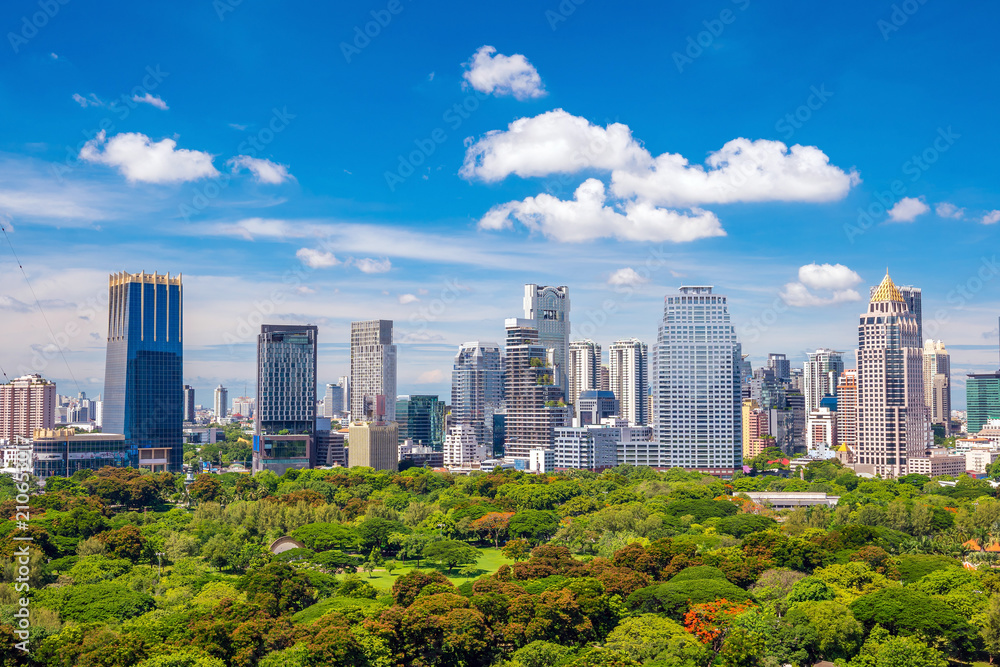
(583, 368)
(220, 403)
(937, 382)
(189, 415)
(421, 419)
(143, 385)
(548, 308)
(373, 445)
(912, 298)
(462, 447)
(477, 388)
(593, 448)
(982, 399)
(628, 362)
(373, 371)
(26, 403)
(847, 408)
(286, 379)
(697, 384)
(820, 375)
(593, 406)
(61, 452)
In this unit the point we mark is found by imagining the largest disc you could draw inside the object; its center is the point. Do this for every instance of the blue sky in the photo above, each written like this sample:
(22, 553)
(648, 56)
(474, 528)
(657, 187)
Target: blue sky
(324, 222)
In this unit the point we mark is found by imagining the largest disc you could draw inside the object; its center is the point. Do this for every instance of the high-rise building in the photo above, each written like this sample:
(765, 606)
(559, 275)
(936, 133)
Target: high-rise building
(593, 406)
(534, 400)
(847, 409)
(336, 401)
(912, 298)
(286, 379)
(243, 406)
(583, 368)
(697, 384)
(548, 307)
(982, 399)
(26, 403)
(937, 382)
(820, 375)
(373, 371)
(893, 421)
(604, 378)
(220, 404)
(477, 388)
(143, 385)
(420, 418)
(629, 370)
(780, 365)
(374, 445)
(189, 415)
(756, 429)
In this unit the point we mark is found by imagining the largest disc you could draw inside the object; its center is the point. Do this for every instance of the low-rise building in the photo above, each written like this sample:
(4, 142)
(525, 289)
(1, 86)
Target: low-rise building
(592, 448)
(780, 500)
(461, 450)
(979, 459)
(62, 452)
(279, 453)
(939, 461)
(541, 461)
(420, 456)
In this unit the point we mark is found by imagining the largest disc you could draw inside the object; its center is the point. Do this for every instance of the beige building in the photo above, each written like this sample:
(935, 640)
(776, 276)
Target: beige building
(373, 445)
(628, 377)
(893, 420)
(584, 368)
(847, 408)
(979, 459)
(937, 382)
(26, 403)
(940, 462)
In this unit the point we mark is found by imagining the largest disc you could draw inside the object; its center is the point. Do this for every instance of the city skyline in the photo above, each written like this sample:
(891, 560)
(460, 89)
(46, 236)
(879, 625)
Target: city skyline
(328, 203)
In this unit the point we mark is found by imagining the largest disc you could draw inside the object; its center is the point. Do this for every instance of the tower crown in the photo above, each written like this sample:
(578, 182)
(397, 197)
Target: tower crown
(887, 291)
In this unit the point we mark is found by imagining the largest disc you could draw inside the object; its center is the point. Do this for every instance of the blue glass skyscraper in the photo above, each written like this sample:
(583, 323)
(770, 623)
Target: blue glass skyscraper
(143, 386)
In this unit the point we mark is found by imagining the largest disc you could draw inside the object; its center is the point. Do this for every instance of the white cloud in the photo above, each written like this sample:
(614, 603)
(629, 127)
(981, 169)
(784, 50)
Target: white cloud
(626, 276)
(949, 210)
(828, 276)
(140, 159)
(54, 56)
(303, 289)
(90, 101)
(264, 171)
(991, 217)
(907, 209)
(408, 298)
(553, 142)
(316, 259)
(502, 75)
(836, 279)
(152, 100)
(430, 377)
(369, 265)
(586, 217)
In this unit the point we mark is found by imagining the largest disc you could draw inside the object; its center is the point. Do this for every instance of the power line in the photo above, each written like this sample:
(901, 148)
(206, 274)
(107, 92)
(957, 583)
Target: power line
(40, 309)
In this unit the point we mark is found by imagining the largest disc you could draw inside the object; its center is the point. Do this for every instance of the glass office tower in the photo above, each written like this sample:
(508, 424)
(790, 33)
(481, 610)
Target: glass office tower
(143, 387)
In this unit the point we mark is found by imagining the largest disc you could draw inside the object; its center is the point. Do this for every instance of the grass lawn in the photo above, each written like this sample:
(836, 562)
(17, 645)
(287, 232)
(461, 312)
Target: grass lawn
(489, 563)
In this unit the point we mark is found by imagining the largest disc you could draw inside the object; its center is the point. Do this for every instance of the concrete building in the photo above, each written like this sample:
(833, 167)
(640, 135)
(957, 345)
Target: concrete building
(583, 368)
(940, 461)
(330, 446)
(462, 448)
(286, 379)
(143, 383)
(937, 382)
(548, 308)
(893, 420)
(912, 298)
(636, 446)
(61, 452)
(373, 371)
(847, 408)
(780, 366)
(628, 363)
(697, 384)
(243, 406)
(189, 415)
(604, 381)
(333, 401)
(820, 375)
(593, 406)
(593, 448)
(991, 430)
(26, 403)
(756, 429)
(220, 404)
(278, 453)
(979, 459)
(541, 461)
(373, 445)
(783, 500)
(477, 388)
(821, 433)
(419, 456)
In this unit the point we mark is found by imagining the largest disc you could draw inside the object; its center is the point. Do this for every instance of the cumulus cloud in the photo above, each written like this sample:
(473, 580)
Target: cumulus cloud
(586, 217)
(496, 74)
(140, 159)
(369, 265)
(430, 377)
(836, 280)
(90, 101)
(626, 276)
(151, 100)
(264, 171)
(991, 218)
(317, 259)
(907, 209)
(949, 210)
(408, 298)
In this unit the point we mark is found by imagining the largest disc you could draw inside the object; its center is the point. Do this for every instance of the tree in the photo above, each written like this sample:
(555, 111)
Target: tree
(517, 550)
(884, 650)
(219, 552)
(391, 566)
(989, 628)
(652, 638)
(205, 488)
(533, 525)
(493, 524)
(278, 588)
(451, 553)
(827, 630)
(909, 611)
(369, 567)
(710, 622)
(406, 589)
(540, 654)
(125, 542)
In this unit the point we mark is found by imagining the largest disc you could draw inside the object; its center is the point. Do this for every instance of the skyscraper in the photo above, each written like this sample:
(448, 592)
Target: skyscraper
(286, 379)
(373, 370)
(982, 398)
(374, 445)
(697, 384)
(820, 375)
(893, 421)
(220, 405)
(937, 382)
(847, 409)
(188, 403)
(477, 388)
(143, 386)
(583, 368)
(26, 403)
(629, 379)
(548, 307)
(780, 365)
(421, 419)
(912, 298)
(535, 405)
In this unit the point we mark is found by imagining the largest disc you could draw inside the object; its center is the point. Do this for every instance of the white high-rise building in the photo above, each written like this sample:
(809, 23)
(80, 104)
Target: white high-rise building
(893, 420)
(937, 382)
(462, 448)
(697, 384)
(477, 388)
(584, 368)
(821, 433)
(221, 404)
(373, 371)
(820, 376)
(548, 307)
(629, 379)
